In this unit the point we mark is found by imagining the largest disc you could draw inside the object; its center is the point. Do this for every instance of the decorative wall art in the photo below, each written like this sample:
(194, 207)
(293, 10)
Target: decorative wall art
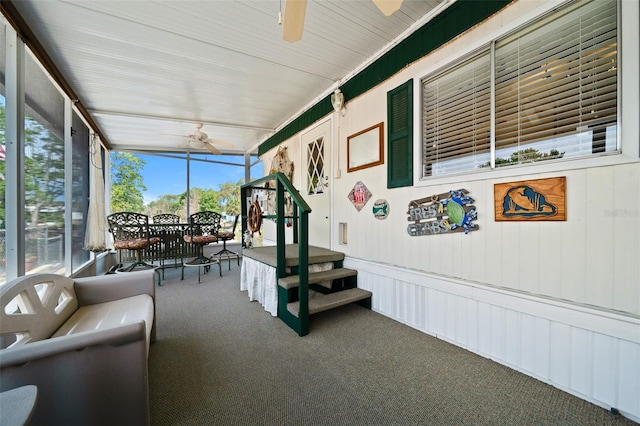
(381, 209)
(359, 195)
(280, 163)
(451, 211)
(531, 200)
(365, 148)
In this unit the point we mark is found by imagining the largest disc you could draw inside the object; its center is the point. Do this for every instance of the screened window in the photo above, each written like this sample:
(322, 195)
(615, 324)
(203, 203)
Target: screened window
(555, 93)
(44, 186)
(80, 191)
(3, 142)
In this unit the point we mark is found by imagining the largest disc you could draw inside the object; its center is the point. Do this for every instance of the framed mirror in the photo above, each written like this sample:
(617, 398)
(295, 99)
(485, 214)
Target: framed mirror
(365, 148)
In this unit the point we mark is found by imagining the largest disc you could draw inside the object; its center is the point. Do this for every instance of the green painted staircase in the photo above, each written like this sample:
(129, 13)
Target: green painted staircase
(333, 288)
(330, 289)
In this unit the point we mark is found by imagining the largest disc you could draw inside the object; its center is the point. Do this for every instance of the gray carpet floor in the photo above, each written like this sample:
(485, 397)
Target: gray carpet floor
(222, 360)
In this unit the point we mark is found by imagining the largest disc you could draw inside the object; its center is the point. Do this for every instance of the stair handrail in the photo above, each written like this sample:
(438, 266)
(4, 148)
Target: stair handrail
(301, 212)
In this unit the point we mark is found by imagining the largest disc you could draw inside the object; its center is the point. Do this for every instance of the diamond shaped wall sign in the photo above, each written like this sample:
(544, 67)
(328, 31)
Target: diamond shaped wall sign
(359, 195)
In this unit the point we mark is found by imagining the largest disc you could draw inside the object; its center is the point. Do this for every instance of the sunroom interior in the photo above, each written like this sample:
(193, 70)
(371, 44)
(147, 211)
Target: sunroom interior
(467, 97)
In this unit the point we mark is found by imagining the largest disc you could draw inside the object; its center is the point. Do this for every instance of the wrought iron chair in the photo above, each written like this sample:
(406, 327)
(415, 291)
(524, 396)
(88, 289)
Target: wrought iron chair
(203, 229)
(131, 232)
(225, 236)
(167, 225)
(166, 219)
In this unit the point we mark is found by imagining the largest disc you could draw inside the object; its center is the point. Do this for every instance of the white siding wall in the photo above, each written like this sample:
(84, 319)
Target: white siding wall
(559, 301)
(587, 352)
(592, 258)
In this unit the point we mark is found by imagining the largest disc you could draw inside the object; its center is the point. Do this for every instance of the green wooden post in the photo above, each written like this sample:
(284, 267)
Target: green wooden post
(280, 240)
(303, 272)
(243, 210)
(295, 223)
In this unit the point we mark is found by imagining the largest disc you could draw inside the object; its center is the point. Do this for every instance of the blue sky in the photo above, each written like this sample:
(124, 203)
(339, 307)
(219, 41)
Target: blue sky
(164, 175)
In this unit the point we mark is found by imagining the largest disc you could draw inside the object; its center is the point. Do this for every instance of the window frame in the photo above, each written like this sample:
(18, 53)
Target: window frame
(470, 46)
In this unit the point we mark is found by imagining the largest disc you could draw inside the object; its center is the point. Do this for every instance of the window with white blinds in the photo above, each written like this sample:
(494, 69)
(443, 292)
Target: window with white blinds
(556, 86)
(456, 118)
(555, 96)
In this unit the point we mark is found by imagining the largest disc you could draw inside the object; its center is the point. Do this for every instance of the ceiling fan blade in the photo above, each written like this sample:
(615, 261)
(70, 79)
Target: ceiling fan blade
(388, 6)
(212, 148)
(294, 11)
(220, 143)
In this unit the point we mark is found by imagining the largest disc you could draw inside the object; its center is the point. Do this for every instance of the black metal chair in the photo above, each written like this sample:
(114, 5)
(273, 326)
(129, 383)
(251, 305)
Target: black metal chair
(225, 236)
(166, 219)
(166, 224)
(131, 232)
(203, 230)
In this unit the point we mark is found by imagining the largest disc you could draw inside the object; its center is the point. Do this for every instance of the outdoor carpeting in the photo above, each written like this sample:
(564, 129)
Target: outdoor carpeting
(222, 360)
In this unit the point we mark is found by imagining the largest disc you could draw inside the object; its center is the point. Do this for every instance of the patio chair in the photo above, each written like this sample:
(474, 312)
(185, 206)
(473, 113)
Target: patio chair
(203, 229)
(166, 226)
(225, 236)
(131, 232)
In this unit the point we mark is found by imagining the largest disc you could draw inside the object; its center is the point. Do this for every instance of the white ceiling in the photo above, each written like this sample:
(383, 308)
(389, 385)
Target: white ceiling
(146, 71)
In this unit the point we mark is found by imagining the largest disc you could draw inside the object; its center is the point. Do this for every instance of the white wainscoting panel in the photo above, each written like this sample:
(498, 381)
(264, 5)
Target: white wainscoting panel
(593, 354)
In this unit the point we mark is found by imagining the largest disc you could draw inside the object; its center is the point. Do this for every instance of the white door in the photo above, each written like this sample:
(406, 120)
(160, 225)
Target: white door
(316, 160)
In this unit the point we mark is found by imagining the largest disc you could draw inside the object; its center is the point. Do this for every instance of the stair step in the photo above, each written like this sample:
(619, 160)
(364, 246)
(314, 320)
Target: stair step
(330, 301)
(267, 255)
(292, 281)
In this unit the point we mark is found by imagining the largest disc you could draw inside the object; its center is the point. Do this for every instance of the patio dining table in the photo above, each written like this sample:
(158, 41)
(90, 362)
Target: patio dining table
(173, 246)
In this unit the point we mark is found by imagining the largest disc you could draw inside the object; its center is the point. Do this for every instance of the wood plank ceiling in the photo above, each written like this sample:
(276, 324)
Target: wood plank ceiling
(147, 71)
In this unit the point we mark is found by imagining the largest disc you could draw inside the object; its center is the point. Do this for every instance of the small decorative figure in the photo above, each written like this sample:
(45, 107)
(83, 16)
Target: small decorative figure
(248, 240)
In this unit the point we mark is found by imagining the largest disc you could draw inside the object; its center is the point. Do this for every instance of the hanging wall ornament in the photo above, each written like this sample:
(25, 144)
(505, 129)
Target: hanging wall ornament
(280, 163)
(381, 209)
(359, 195)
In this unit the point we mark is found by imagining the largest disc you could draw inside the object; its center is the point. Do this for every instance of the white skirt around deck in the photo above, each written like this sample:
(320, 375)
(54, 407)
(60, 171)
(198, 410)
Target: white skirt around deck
(260, 281)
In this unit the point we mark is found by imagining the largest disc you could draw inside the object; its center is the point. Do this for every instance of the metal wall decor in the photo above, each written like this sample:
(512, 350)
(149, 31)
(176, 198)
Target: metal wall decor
(381, 209)
(359, 195)
(451, 211)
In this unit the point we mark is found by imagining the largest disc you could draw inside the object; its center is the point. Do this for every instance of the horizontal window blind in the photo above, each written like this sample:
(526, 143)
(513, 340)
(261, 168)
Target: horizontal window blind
(456, 118)
(556, 86)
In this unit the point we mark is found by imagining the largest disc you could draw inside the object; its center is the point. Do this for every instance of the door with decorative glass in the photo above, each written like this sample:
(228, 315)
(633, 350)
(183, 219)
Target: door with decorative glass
(316, 151)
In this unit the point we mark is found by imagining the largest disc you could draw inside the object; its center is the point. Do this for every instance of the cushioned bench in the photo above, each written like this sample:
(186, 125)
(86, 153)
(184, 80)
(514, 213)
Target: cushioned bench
(84, 343)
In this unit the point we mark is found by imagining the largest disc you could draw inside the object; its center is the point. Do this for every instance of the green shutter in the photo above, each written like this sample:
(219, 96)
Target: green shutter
(400, 136)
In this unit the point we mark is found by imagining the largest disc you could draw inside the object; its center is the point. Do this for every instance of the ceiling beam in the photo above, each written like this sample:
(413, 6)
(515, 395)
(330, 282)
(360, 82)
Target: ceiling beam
(179, 120)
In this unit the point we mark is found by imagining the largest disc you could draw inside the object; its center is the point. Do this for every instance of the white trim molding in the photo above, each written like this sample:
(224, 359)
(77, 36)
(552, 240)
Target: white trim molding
(591, 353)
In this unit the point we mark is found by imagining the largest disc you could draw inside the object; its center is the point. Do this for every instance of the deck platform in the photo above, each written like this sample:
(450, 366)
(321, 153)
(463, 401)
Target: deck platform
(267, 255)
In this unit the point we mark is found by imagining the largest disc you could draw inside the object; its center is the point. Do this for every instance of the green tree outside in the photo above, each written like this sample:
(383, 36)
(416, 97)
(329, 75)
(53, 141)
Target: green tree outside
(208, 200)
(229, 197)
(127, 185)
(44, 175)
(528, 155)
(168, 203)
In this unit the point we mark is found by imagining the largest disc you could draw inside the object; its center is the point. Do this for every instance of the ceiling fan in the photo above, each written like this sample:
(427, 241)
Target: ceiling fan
(294, 11)
(200, 139)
